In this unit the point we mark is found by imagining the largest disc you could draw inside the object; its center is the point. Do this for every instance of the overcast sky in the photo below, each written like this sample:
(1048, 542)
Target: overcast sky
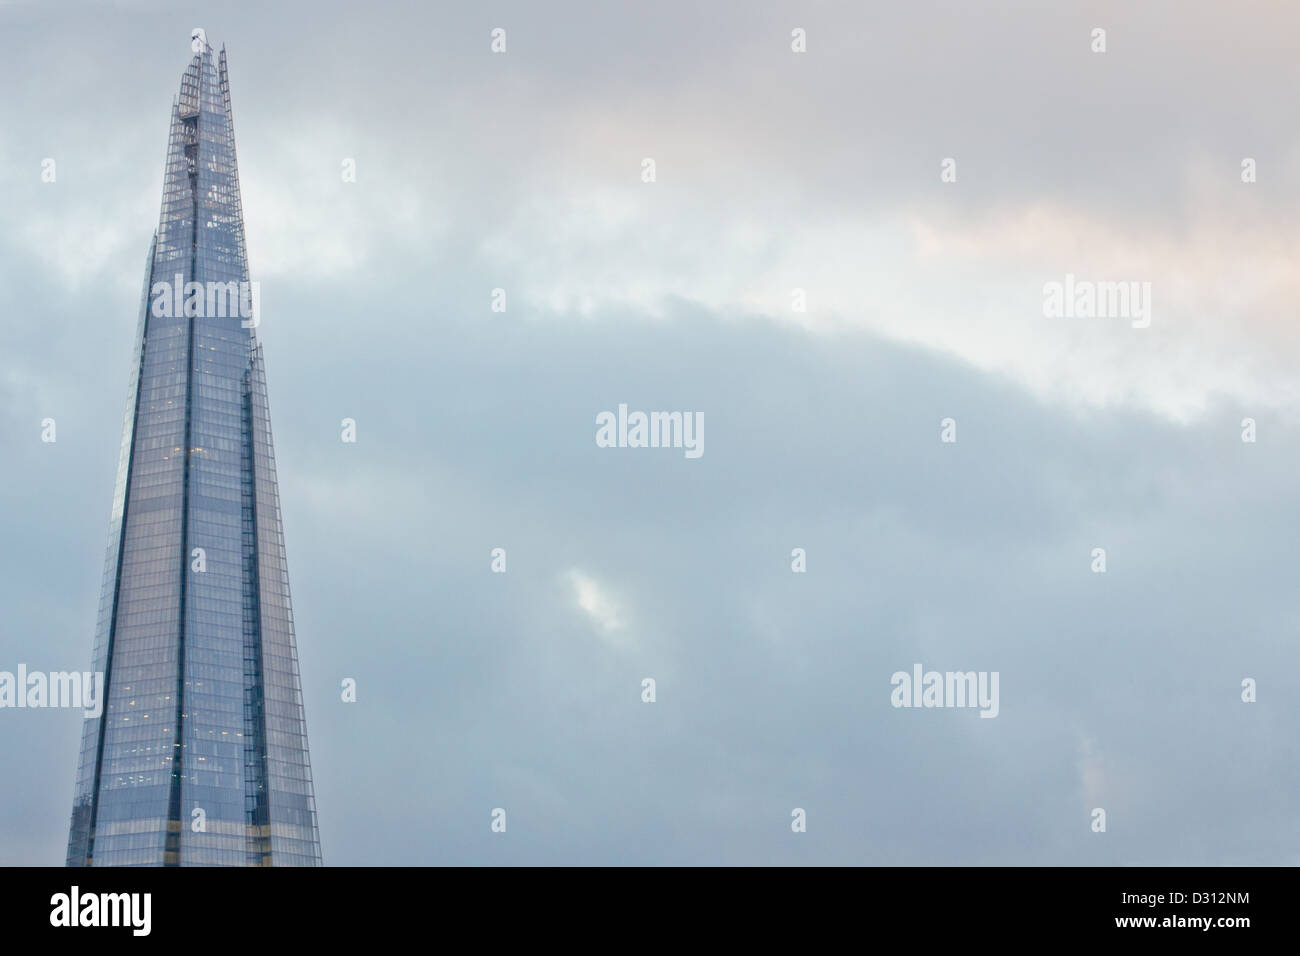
(774, 171)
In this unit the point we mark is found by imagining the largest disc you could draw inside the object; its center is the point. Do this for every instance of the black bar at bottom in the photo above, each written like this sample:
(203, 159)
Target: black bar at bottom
(336, 905)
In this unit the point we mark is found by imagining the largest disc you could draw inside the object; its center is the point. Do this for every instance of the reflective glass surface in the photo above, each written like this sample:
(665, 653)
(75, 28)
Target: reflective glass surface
(204, 706)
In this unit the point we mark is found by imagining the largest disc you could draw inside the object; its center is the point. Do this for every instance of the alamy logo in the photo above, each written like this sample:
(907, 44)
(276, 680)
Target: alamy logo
(102, 909)
(948, 689)
(655, 430)
(56, 689)
(1084, 299)
(208, 300)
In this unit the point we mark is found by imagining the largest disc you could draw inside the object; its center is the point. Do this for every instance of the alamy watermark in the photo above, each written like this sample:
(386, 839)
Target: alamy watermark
(946, 689)
(654, 430)
(1085, 299)
(208, 300)
(75, 908)
(55, 689)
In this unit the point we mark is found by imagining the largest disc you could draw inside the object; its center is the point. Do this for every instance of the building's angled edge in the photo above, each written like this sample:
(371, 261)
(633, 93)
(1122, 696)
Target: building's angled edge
(200, 756)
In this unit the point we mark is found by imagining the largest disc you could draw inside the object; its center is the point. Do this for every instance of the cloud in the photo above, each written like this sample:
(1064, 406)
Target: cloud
(596, 603)
(475, 428)
(1092, 776)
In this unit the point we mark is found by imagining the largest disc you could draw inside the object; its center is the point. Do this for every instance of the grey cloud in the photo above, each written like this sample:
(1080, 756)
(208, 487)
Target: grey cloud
(476, 430)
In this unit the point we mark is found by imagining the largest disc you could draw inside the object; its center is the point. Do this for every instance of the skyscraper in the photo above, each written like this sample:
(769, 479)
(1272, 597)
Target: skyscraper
(200, 755)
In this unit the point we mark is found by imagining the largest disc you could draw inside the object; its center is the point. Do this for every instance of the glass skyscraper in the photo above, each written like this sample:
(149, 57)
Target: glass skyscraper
(200, 755)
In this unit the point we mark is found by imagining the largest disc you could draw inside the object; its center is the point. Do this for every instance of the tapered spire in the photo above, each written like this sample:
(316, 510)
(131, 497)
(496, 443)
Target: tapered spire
(200, 756)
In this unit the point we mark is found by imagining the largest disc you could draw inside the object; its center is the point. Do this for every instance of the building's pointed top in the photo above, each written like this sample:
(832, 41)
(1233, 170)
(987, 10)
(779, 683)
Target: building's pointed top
(199, 40)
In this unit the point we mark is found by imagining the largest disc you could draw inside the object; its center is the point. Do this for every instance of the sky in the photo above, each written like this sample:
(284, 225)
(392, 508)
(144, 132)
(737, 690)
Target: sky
(914, 179)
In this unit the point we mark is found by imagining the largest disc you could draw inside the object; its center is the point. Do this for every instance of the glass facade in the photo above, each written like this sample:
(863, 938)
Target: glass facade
(200, 756)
